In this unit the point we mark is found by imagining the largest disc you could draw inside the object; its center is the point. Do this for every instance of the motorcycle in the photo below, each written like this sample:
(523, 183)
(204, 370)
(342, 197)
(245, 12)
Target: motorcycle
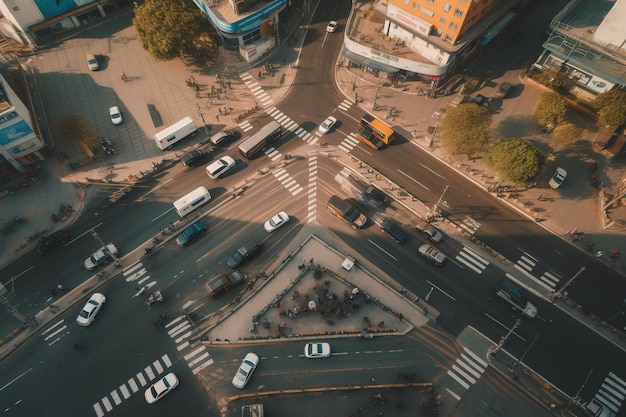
(107, 146)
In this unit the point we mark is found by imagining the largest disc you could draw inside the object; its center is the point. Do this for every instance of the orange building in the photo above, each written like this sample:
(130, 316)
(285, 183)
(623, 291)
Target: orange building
(422, 37)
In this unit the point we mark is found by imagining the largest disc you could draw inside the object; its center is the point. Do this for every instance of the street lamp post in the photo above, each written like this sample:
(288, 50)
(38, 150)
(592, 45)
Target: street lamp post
(559, 293)
(113, 255)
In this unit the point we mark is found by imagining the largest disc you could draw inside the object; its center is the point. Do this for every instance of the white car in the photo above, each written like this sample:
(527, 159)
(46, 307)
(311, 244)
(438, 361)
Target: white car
(161, 387)
(558, 178)
(317, 350)
(276, 221)
(92, 306)
(100, 256)
(327, 124)
(219, 167)
(116, 115)
(432, 254)
(332, 26)
(245, 370)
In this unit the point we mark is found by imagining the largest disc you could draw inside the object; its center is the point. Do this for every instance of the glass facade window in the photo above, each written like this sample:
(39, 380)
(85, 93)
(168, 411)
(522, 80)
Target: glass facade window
(252, 37)
(443, 20)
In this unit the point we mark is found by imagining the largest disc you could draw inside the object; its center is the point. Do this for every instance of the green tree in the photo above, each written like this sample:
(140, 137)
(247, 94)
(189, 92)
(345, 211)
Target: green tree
(611, 108)
(465, 129)
(170, 29)
(516, 160)
(550, 109)
(566, 133)
(609, 98)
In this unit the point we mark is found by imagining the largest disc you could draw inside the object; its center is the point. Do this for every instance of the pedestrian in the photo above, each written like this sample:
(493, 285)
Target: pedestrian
(284, 59)
(220, 110)
(217, 117)
(228, 83)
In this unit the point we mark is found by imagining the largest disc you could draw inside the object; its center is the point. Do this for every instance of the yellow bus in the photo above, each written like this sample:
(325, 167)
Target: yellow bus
(378, 128)
(369, 139)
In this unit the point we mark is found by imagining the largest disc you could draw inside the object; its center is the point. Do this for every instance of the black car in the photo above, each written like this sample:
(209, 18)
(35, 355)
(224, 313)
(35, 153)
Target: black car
(192, 158)
(393, 230)
(244, 253)
(480, 100)
(55, 240)
(377, 195)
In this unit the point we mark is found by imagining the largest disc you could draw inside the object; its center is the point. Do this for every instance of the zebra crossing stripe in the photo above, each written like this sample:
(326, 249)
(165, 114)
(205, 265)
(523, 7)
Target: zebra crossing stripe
(612, 392)
(273, 112)
(166, 360)
(157, 366)
(194, 353)
(107, 404)
(198, 359)
(173, 322)
(131, 268)
(98, 409)
(133, 385)
(182, 346)
(266, 99)
(149, 373)
(125, 392)
(201, 367)
(255, 89)
(471, 259)
(183, 337)
(136, 275)
(550, 279)
(281, 118)
(116, 397)
(463, 374)
(457, 379)
(179, 329)
(141, 379)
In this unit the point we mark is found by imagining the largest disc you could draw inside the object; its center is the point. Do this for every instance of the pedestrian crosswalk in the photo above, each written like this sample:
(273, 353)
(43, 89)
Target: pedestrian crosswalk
(287, 181)
(468, 368)
(472, 260)
(55, 332)
(348, 143)
(180, 330)
(346, 104)
(291, 125)
(312, 209)
(526, 263)
(131, 386)
(245, 126)
(256, 89)
(612, 392)
(469, 225)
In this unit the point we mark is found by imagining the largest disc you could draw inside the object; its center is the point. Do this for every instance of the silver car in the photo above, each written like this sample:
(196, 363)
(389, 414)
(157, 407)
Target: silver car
(91, 308)
(245, 370)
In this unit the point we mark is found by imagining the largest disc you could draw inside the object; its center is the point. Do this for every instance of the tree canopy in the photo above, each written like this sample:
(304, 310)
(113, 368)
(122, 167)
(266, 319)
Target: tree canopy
(169, 29)
(465, 129)
(566, 133)
(611, 108)
(550, 109)
(516, 160)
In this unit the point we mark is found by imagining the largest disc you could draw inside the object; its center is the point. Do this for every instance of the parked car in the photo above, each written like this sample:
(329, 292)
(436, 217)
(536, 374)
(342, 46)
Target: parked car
(244, 253)
(327, 124)
(481, 100)
(91, 308)
(432, 254)
(393, 231)
(222, 136)
(557, 179)
(100, 256)
(192, 158)
(503, 90)
(276, 222)
(316, 350)
(92, 62)
(332, 26)
(220, 167)
(161, 387)
(245, 370)
(431, 232)
(191, 233)
(116, 115)
(52, 241)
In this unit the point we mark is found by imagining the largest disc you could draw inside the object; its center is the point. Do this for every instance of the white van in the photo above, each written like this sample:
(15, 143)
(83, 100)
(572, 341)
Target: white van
(192, 201)
(172, 134)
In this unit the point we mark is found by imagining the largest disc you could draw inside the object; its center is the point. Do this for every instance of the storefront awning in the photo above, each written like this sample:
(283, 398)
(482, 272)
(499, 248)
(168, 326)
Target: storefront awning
(368, 62)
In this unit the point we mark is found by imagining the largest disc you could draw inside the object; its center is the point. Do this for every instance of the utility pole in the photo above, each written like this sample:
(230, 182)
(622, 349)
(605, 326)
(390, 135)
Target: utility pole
(493, 350)
(559, 293)
(113, 255)
(436, 212)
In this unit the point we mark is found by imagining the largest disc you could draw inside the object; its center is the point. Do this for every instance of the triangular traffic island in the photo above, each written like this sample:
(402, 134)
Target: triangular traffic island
(317, 291)
(320, 302)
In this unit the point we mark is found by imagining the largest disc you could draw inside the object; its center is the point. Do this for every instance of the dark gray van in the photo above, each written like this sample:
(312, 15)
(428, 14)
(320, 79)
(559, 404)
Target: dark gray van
(223, 283)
